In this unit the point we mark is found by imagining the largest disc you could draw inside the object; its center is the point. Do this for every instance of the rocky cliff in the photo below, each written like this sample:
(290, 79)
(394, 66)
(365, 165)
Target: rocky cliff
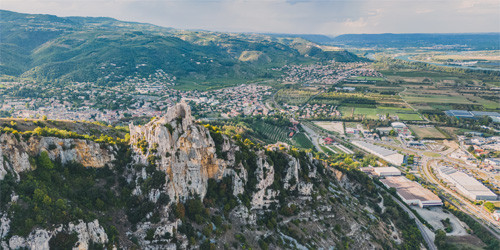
(16, 152)
(184, 185)
(182, 149)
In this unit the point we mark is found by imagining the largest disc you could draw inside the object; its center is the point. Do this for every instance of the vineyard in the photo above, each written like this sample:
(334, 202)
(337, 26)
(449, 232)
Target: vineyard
(271, 133)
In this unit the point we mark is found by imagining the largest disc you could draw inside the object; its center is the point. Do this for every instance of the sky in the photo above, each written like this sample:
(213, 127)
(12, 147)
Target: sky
(329, 17)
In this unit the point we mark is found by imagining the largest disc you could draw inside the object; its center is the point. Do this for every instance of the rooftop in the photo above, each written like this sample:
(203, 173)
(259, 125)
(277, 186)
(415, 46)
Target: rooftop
(410, 190)
(380, 150)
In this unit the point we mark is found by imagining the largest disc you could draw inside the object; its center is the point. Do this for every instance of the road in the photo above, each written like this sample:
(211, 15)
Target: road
(478, 214)
(414, 109)
(313, 136)
(426, 233)
(472, 210)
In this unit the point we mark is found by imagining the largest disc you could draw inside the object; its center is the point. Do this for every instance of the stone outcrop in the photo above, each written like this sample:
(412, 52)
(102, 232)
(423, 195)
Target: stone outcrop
(265, 178)
(15, 153)
(181, 148)
(88, 232)
(39, 238)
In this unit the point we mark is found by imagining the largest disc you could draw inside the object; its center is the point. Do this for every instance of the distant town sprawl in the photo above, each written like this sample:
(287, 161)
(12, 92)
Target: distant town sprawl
(152, 95)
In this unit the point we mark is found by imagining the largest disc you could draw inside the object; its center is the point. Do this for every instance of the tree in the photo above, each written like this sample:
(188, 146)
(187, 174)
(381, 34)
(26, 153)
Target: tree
(440, 239)
(44, 117)
(44, 161)
(180, 211)
(490, 206)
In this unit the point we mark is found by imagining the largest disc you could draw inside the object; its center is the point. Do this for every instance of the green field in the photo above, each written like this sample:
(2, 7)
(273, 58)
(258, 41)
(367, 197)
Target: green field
(427, 132)
(366, 78)
(271, 133)
(404, 114)
(294, 97)
(436, 99)
(302, 141)
(327, 150)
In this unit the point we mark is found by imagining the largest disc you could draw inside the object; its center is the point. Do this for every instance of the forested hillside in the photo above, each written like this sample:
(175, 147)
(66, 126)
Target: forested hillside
(46, 47)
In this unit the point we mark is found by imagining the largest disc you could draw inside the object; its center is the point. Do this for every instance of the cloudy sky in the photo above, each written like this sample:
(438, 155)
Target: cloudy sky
(329, 17)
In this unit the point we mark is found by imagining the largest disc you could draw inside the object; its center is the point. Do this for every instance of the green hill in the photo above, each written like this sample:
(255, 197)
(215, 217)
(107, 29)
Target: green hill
(47, 47)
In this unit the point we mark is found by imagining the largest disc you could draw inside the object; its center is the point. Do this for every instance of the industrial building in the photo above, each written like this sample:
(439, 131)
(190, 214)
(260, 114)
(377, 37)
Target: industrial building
(411, 192)
(386, 171)
(472, 114)
(390, 156)
(466, 184)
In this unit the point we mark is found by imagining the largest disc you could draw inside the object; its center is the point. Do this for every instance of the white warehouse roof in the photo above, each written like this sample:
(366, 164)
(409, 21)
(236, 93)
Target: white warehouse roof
(388, 155)
(387, 171)
(398, 125)
(467, 184)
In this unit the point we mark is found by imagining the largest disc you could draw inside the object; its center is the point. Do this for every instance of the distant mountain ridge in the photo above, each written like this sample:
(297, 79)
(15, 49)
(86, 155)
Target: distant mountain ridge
(47, 47)
(476, 41)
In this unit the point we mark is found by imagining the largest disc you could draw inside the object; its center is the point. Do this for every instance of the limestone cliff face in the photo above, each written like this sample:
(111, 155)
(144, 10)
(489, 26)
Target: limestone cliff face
(91, 232)
(181, 148)
(15, 153)
(187, 153)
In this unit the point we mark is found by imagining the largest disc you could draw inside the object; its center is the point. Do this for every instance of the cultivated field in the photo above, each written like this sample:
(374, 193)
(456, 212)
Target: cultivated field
(403, 114)
(337, 127)
(271, 132)
(302, 141)
(427, 132)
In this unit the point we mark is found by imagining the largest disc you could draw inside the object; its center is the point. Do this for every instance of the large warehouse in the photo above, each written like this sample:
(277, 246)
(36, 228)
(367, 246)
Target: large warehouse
(411, 192)
(390, 156)
(386, 171)
(466, 184)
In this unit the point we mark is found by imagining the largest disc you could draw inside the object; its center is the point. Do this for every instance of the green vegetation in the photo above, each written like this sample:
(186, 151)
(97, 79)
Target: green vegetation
(477, 228)
(302, 141)
(426, 132)
(60, 133)
(490, 206)
(106, 51)
(374, 113)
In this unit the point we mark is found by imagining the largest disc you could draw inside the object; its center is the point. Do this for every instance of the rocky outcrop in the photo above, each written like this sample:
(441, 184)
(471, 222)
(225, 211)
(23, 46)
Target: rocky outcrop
(265, 178)
(39, 238)
(15, 153)
(88, 232)
(181, 148)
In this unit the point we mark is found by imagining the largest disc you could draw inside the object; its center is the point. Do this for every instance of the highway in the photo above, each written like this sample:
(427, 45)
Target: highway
(425, 168)
(470, 209)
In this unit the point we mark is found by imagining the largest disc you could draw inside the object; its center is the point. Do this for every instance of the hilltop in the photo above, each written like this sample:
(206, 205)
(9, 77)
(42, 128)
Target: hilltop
(106, 50)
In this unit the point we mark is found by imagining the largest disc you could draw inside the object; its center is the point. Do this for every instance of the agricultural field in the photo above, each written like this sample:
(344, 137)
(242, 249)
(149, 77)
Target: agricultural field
(294, 96)
(302, 141)
(435, 98)
(271, 133)
(403, 114)
(427, 132)
(337, 127)
(448, 101)
(365, 78)
(327, 150)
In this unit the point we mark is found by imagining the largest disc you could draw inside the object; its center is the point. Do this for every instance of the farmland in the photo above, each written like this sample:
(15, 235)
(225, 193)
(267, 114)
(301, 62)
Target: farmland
(337, 127)
(271, 133)
(427, 132)
(403, 114)
(294, 97)
(364, 78)
(301, 140)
